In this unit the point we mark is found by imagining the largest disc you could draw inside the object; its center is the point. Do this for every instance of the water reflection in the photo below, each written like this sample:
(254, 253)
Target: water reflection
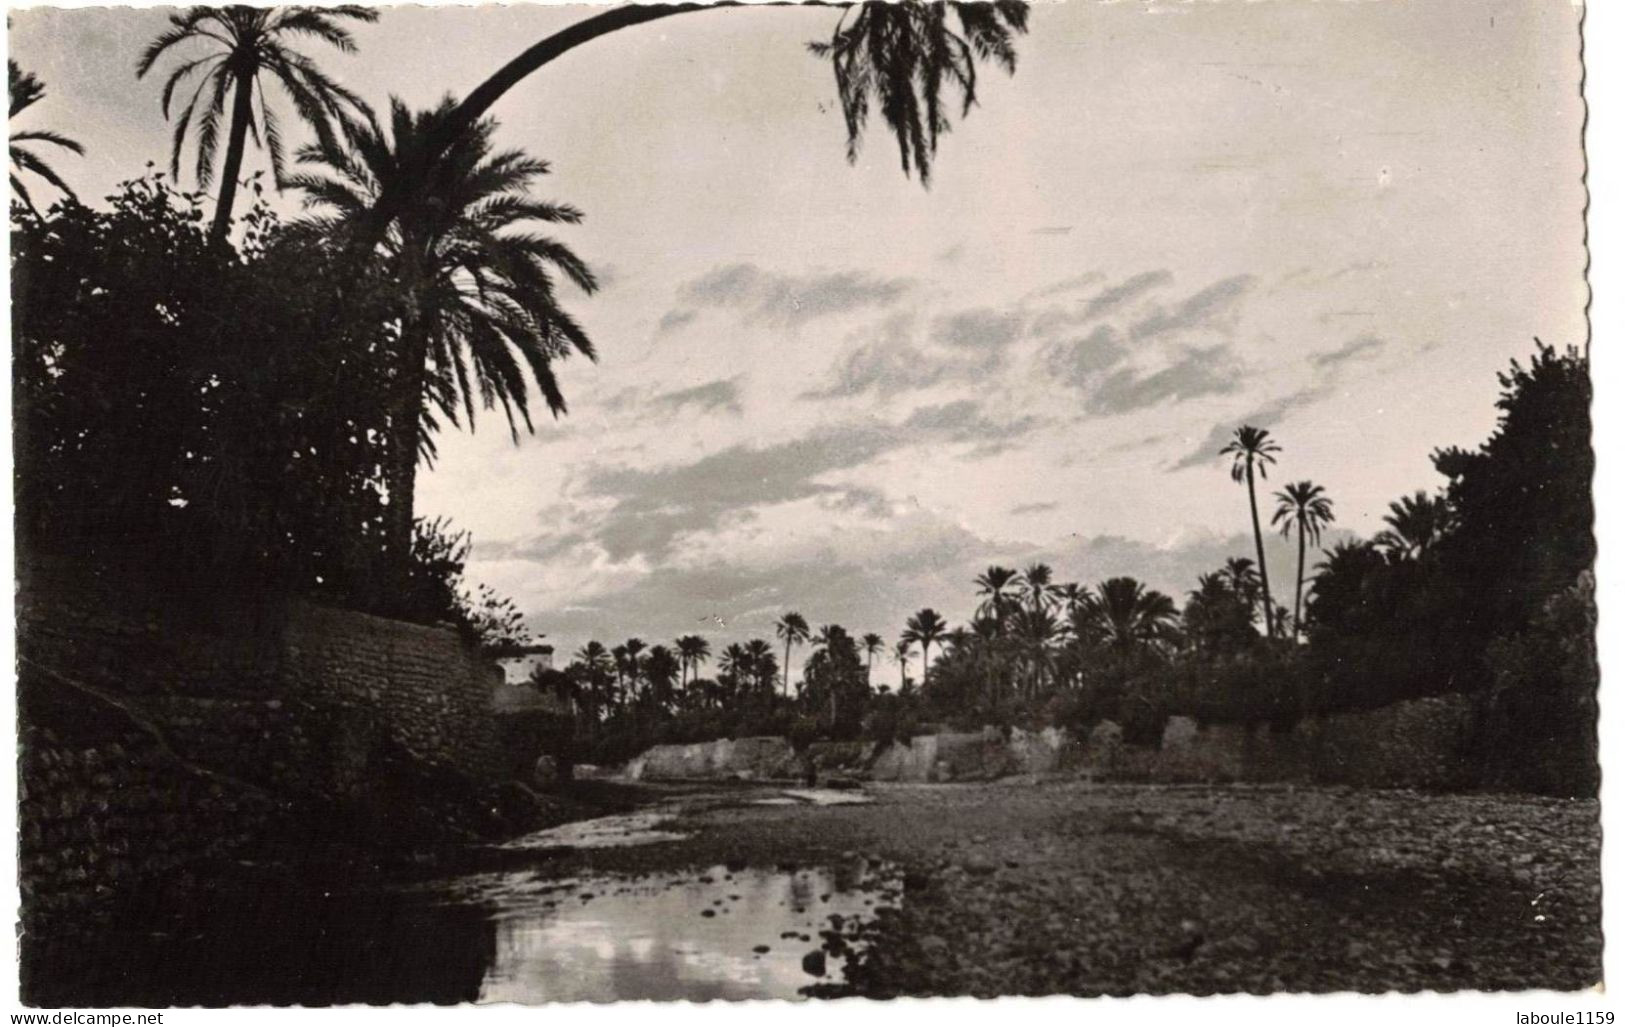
(715, 935)
(604, 832)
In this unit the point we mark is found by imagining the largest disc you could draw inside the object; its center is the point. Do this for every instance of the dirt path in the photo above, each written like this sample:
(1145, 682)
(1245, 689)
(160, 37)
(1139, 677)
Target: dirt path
(1021, 888)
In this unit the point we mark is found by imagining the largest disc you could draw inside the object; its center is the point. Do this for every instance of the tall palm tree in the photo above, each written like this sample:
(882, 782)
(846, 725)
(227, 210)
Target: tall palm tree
(246, 46)
(1128, 616)
(791, 628)
(1252, 451)
(900, 56)
(1416, 523)
(479, 312)
(24, 90)
(926, 627)
(872, 643)
(1303, 505)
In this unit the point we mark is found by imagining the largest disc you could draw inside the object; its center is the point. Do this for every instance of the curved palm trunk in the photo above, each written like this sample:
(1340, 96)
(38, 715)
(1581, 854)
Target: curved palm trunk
(1258, 539)
(479, 102)
(925, 661)
(787, 668)
(1297, 597)
(242, 110)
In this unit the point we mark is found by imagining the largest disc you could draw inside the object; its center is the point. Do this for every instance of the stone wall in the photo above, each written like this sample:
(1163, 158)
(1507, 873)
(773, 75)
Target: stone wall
(156, 733)
(745, 759)
(1418, 744)
(432, 693)
(1422, 743)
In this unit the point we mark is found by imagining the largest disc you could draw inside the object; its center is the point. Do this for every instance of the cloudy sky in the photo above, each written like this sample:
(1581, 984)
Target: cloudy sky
(823, 388)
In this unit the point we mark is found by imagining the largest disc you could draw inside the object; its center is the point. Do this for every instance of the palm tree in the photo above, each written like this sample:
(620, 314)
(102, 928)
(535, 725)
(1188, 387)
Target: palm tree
(925, 628)
(478, 307)
(619, 656)
(694, 651)
(791, 628)
(1128, 616)
(872, 643)
(899, 55)
(247, 45)
(1305, 505)
(734, 664)
(660, 667)
(1242, 577)
(761, 663)
(994, 584)
(25, 90)
(1072, 596)
(902, 652)
(1034, 631)
(634, 665)
(1416, 523)
(1035, 585)
(1253, 451)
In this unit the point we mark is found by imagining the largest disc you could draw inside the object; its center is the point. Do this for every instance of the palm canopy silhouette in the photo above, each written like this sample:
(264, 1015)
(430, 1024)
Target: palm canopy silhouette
(925, 628)
(872, 643)
(895, 57)
(1126, 616)
(23, 91)
(246, 46)
(1252, 451)
(694, 651)
(1305, 506)
(995, 584)
(1416, 523)
(791, 628)
(480, 313)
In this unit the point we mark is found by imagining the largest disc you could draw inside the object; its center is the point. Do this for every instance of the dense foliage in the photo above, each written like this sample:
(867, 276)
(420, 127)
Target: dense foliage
(1480, 587)
(185, 411)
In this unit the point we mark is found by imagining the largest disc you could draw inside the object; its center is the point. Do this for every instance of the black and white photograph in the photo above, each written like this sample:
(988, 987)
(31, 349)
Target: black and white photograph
(520, 504)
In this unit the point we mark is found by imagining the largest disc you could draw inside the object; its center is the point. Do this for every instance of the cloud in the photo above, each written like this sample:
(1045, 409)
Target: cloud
(1358, 347)
(1199, 310)
(1080, 362)
(674, 319)
(1066, 285)
(892, 363)
(1201, 371)
(764, 296)
(1032, 508)
(652, 508)
(722, 394)
(983, 328)
(1264, 416)
(1108, 300)
(963, 421)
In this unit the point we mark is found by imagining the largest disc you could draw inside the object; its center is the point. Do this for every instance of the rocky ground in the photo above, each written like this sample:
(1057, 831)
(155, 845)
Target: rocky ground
(1067, 887)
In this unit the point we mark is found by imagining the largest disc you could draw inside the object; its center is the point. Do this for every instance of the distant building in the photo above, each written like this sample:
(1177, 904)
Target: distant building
(520, 662)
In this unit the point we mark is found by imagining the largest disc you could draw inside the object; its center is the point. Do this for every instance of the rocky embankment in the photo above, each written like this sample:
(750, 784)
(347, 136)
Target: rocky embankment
(1067, 887)
(1423, 743)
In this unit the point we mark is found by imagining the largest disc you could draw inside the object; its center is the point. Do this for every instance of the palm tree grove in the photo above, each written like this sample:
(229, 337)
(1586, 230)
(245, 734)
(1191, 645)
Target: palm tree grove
(1136, 549)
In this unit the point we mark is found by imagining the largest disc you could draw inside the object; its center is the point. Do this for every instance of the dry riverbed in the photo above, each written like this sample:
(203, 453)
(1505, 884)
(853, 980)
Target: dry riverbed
(1066, 887)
